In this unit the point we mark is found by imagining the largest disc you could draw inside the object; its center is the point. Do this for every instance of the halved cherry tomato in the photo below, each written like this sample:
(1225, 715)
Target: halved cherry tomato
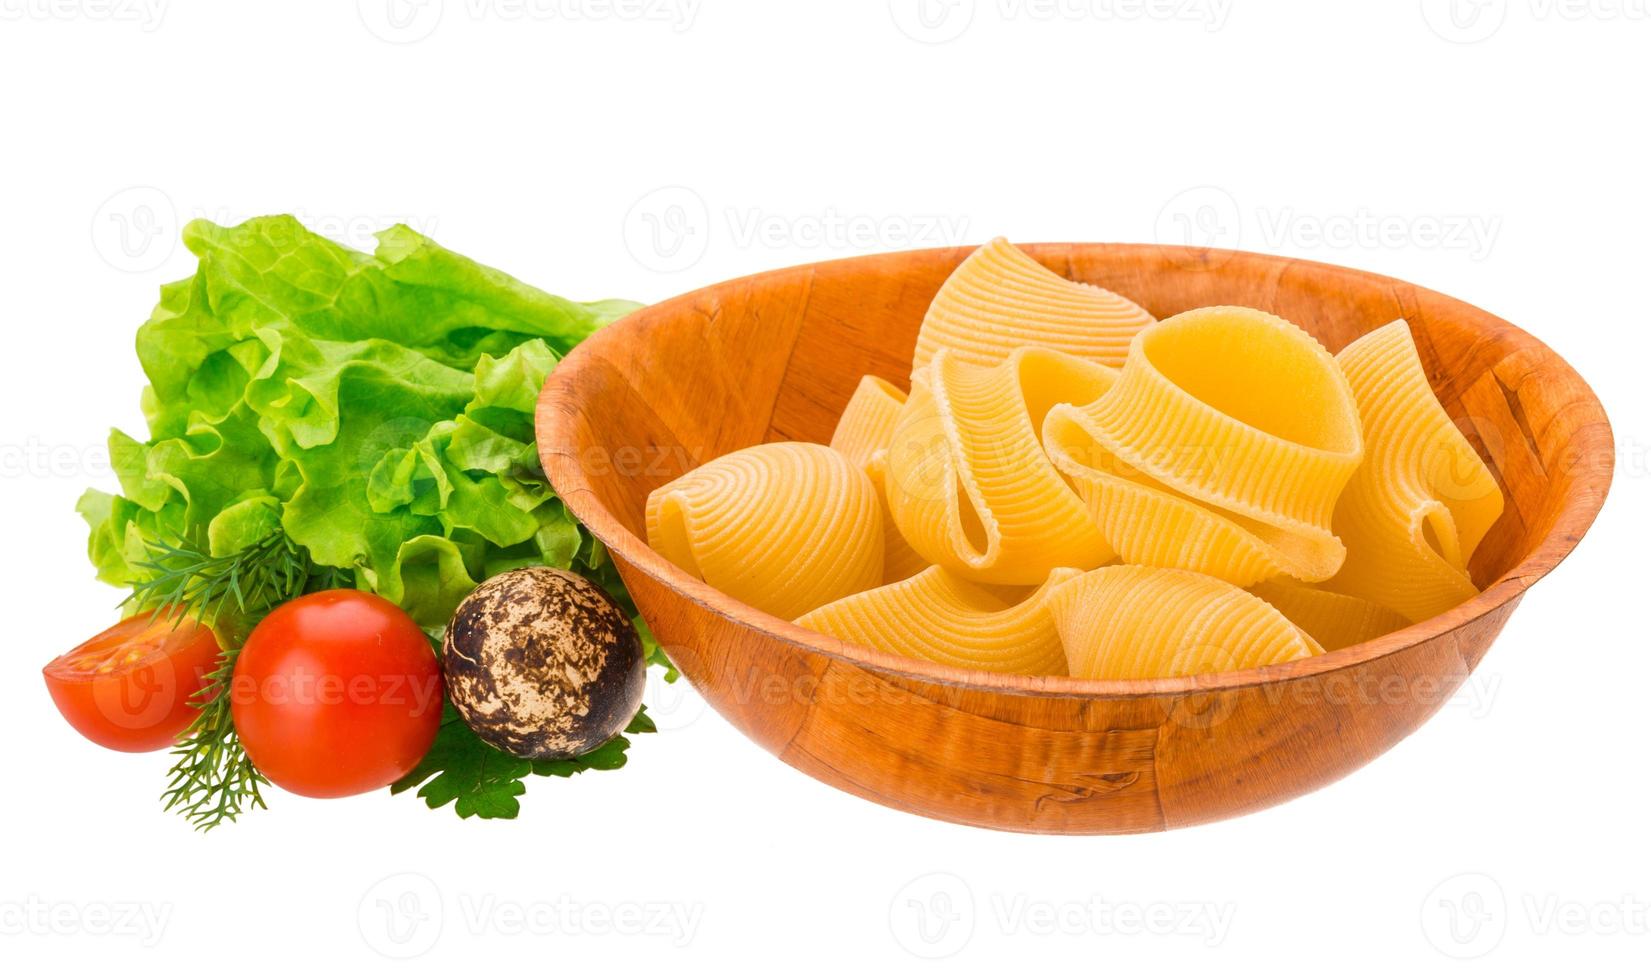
(336, 693)
(131, 686)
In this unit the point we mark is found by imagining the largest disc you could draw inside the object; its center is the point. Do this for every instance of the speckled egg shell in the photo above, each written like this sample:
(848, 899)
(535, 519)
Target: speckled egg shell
(542, 664)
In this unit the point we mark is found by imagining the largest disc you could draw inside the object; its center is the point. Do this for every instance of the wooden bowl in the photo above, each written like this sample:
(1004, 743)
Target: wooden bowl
(775, 357)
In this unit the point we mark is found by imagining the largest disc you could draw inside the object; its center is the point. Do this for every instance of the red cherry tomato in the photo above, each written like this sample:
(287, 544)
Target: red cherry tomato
(130, 687)
(336, 693)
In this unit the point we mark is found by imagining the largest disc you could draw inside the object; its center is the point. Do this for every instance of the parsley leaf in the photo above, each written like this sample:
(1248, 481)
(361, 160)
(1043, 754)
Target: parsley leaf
(481, 781)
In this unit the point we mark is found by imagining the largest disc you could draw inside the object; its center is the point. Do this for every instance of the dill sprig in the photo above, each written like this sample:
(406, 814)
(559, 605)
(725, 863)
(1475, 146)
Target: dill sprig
(212, 780)
(189, 582)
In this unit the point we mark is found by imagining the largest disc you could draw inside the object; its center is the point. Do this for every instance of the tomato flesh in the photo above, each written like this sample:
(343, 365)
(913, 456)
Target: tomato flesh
(131, 687)
(336, 693)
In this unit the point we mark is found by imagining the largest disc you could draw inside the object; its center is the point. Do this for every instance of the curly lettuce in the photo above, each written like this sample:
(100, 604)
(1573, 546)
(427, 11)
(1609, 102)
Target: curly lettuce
(377, 408)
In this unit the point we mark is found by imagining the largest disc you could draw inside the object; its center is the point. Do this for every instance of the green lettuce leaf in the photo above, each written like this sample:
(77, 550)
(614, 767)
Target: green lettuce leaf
(377, 408)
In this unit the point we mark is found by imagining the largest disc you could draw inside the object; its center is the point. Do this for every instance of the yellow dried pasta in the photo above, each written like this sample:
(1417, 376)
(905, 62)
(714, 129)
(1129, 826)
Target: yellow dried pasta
(969, 485)
(1127, 622)
(867, 423)
(939, 617)
(1000, 298)
(1222, 448)
(863, 434)
(1267, 501)
(1422, 501)
(786, 526)
(1333, 619)
(1150, 524)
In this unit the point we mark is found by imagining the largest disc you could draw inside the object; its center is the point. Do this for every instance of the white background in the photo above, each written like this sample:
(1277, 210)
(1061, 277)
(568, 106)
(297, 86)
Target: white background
(601, 149)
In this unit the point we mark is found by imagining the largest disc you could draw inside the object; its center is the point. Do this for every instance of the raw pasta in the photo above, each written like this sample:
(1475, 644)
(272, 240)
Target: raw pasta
(1130, 621)
(1423, 500)
(1000, 298)
(939, 617)
(785, 526)
(863, 435)
(1245, 413)
(969, 484)
(1333, 619)
(1191, 461)
(1075, 487)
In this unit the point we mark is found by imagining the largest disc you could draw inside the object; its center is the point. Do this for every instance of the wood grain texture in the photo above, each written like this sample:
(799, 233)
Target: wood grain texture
(776, 356)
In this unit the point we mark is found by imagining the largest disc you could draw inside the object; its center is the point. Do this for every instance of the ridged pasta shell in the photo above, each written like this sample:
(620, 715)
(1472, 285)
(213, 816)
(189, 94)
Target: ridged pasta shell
(1127, 622)
(785, 526)
(1421, 502)
(1000, 298)
(939, 617)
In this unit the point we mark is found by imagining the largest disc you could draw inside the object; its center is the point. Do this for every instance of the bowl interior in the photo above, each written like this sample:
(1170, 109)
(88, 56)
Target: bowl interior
(776, 357)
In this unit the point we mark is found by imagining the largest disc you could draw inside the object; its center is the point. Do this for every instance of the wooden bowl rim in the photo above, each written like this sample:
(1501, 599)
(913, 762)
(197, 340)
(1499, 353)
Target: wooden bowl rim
(1582, 504)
